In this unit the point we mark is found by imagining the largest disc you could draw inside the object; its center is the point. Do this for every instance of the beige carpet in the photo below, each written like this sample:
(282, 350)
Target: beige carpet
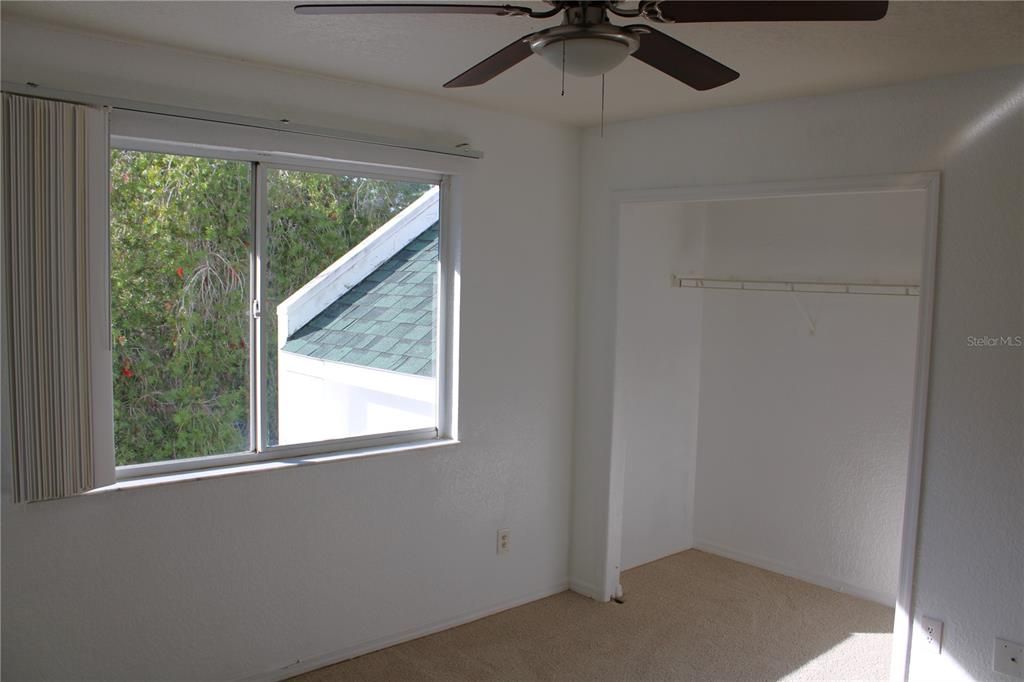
(690, 616)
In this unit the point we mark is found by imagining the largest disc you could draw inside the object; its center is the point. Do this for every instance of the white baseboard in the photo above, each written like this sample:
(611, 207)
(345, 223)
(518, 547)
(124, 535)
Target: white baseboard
(587, 590)
(306, 665)
(806, 576)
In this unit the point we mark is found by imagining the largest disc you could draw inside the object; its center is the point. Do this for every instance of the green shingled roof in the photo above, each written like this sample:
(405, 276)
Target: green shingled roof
(384, 322)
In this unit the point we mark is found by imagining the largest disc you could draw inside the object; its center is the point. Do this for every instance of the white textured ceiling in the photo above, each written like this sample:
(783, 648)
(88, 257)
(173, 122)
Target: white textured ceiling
(419, 53)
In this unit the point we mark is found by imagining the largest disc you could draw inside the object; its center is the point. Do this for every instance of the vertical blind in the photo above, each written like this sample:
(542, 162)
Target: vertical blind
(54, 192)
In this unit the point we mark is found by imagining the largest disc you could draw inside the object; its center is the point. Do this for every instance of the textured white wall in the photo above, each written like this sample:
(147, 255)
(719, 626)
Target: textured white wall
(804, 439)
(852, 237)
(657, 367)
(230, 577)
(970, 570)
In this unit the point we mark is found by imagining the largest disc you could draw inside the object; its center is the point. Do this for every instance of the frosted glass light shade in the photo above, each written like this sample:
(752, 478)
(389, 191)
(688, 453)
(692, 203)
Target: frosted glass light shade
(586, 56)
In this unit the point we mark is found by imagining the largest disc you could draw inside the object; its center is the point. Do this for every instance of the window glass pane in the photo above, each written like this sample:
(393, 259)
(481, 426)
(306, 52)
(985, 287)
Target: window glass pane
(180, 231)
(350, 306)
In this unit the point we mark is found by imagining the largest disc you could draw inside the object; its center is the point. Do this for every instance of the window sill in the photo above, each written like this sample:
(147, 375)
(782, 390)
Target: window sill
(270, 465)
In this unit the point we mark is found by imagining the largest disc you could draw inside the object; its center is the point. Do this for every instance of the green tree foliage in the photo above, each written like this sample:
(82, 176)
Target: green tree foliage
(181, 237)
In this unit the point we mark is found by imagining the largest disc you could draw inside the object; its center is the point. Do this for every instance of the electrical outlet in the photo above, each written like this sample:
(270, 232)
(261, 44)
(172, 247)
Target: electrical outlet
(1008, 658)
(931, 630)
(504, 540)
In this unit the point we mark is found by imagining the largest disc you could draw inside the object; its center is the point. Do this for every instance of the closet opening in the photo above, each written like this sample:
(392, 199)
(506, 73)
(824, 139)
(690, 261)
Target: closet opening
(770, 361)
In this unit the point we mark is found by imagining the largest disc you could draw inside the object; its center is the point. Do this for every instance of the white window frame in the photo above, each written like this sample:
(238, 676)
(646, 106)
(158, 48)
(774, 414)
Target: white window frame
(265, 149)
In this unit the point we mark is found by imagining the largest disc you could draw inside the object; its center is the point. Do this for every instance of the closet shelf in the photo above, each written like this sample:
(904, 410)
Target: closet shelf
(860, 288)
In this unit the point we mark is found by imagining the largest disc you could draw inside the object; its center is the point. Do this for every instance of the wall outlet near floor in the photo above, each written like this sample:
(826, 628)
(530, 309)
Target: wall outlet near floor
(504, 540)
(1008, 658)
(931, 629)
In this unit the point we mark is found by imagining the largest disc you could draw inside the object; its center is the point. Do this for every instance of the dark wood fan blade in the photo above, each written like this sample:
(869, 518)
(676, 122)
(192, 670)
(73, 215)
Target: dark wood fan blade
(411, 8)
(688, 11)
(502, 60)
(680, 61)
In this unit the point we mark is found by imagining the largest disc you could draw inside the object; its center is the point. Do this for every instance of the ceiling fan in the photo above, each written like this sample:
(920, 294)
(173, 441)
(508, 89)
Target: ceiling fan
(588, 44)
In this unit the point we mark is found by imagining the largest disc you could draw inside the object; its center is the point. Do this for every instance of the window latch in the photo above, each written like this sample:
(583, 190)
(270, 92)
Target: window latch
(256, 309)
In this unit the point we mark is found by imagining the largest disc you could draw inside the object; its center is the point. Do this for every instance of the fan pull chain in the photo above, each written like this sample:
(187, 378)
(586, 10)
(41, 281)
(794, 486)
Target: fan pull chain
(602, 105)
(563, 68)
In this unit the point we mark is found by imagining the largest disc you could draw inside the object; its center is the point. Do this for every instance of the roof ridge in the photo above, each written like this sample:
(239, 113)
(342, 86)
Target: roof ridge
(385, 321)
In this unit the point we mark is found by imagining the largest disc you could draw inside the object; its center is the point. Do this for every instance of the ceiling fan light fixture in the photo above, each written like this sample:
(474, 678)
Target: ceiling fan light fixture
(584, 50)
(588, 44)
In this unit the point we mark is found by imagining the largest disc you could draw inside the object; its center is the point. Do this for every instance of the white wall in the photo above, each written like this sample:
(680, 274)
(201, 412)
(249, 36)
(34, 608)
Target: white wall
(657, 367)
(322, 400)
(970, 570)
(804, 438)
(229, 577)
(850, 237)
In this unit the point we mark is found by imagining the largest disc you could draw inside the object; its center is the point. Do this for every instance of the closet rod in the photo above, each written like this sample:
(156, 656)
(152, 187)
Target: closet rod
(860, 288)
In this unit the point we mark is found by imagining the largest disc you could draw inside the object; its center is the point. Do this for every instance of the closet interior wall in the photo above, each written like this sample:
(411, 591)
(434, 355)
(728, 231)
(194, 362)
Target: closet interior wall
(769, 426)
